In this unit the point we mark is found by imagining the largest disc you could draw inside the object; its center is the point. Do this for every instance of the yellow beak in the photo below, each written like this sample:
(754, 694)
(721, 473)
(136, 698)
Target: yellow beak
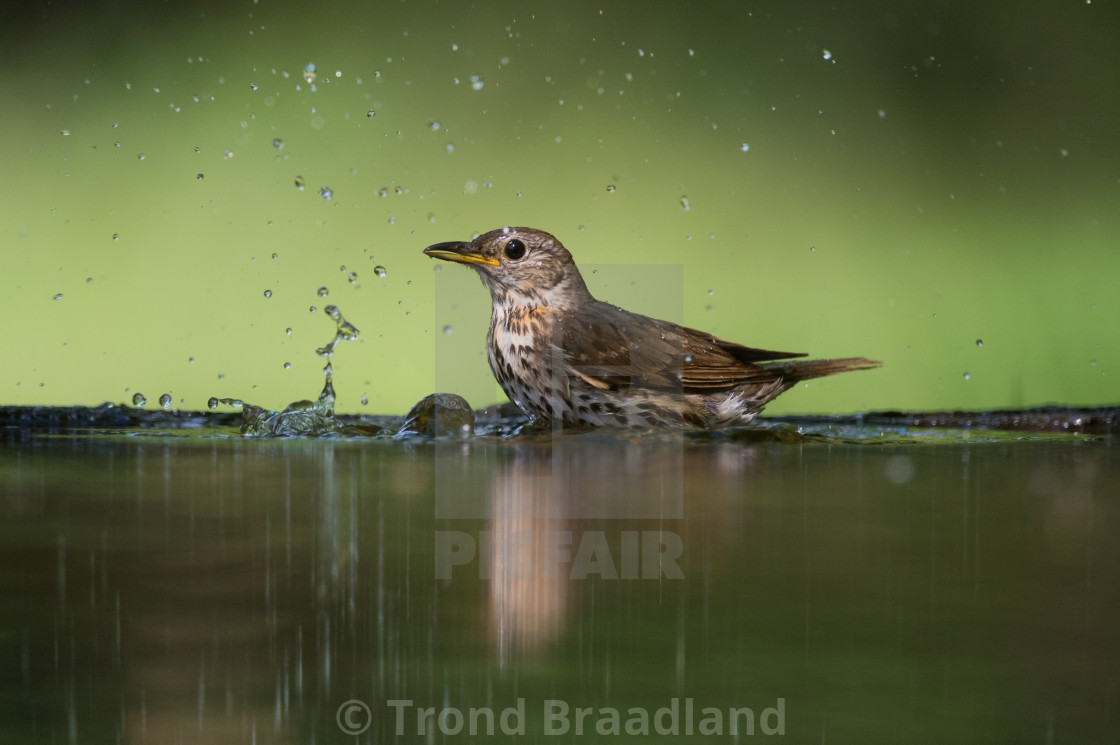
(459, 252)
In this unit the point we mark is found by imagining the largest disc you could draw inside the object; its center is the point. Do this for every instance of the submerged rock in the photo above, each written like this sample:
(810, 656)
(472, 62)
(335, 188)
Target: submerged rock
(439, 415)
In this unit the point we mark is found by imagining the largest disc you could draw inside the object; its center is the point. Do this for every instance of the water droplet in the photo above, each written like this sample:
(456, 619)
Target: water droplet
(326, 193)
(287, 365)
(688, 359)
(165, 400)
(299, 182)
(477, 83)
(254, 87)
(825, 54)
(140, 156)
(744, 147)
(275, 256)
(711, 292)
(57, 296)
(434, 126)
(138, 399)
(278, 143)
(448, 330)
(364, 400)
(685, 203)
(116, 236)
(352, 278)
(309, 72)
(380, 271)
(227, 154)
(979, 342)
(65, 133)
(370, 114)
(268, 293)
(967, 376)
(212, 403)
(323, 292)
(288, 331)
(610, 187)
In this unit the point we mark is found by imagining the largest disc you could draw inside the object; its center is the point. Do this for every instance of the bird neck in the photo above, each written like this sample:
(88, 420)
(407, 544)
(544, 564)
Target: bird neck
(569, 292)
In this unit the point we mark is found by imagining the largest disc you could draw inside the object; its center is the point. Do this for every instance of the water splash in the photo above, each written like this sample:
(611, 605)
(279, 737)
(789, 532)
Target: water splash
(344, 331)
(310, 418)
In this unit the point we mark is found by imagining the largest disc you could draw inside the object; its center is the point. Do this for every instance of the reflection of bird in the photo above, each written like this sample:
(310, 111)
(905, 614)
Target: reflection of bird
(560, 354)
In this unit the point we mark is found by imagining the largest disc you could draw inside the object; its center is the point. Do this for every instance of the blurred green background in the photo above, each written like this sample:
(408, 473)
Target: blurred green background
(893, 180)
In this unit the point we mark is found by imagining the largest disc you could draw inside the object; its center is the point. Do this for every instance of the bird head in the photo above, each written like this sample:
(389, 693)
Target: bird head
(522, 266)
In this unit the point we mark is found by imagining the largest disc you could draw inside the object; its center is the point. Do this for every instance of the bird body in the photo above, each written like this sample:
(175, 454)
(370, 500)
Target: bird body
(563, 356)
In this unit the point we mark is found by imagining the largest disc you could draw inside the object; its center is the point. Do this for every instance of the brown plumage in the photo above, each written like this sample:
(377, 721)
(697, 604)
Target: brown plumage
(562, 355)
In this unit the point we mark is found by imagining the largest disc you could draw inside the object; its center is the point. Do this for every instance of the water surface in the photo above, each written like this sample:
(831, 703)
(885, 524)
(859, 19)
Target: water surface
(195, 586)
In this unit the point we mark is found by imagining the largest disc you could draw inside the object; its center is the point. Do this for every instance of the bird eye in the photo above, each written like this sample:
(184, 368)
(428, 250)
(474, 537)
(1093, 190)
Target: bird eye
(515, 249)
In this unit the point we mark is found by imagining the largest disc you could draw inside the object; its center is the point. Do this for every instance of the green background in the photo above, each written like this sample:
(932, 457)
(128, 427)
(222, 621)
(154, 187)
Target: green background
(919, 176)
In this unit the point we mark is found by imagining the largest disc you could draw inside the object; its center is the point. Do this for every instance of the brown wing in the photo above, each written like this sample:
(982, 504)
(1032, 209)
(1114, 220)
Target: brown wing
(612, 348)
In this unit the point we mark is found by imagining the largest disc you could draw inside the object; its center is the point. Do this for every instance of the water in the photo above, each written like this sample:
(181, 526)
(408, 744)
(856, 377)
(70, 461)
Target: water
(170, 580)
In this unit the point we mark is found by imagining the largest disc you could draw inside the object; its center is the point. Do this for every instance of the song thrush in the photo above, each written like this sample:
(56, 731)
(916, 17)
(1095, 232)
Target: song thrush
(562, 355)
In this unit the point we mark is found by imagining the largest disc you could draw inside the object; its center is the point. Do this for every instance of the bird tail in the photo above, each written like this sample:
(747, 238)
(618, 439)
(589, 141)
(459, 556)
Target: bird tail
(796, 371)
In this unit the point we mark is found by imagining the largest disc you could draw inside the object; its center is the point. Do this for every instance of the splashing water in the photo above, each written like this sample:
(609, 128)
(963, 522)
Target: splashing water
(344, 331)
(309, 418)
